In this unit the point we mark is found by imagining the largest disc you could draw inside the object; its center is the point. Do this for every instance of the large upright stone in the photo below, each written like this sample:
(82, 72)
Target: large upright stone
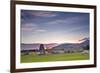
(42, 49)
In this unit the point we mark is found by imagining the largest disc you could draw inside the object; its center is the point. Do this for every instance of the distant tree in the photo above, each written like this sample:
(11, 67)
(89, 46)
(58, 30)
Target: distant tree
(42, 49)
(86, 47)
(68, 51)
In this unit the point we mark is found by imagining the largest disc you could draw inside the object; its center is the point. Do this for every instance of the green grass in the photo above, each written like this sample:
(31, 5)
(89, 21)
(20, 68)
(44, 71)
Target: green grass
(53, 57)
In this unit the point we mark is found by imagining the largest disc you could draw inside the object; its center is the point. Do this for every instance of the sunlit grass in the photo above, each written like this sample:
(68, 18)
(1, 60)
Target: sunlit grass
(53, 57)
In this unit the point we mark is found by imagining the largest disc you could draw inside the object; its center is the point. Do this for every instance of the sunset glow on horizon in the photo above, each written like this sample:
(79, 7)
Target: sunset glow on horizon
(53, 27)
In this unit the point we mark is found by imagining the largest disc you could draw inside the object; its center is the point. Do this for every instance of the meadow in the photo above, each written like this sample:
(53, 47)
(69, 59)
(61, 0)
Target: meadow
(53, 57)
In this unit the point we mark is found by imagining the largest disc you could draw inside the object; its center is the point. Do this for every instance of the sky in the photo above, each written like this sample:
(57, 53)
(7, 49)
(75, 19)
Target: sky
(53, 26)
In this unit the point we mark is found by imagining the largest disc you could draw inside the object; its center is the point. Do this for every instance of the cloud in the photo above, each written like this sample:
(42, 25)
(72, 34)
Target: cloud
(40, 30)
(28, 27)
(31, 28)
(83, 39)
(67, 20)
(56, 21)
(43, 14)
(73, 24)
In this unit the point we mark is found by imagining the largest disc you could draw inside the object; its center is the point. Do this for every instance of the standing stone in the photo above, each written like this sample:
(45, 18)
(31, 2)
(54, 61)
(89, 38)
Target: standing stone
(42, 49)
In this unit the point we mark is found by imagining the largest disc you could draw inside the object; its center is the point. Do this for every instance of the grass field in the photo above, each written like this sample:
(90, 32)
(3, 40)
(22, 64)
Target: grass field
(53, 57)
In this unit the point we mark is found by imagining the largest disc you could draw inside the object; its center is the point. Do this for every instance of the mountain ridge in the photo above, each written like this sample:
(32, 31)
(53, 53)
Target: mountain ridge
(54, 45)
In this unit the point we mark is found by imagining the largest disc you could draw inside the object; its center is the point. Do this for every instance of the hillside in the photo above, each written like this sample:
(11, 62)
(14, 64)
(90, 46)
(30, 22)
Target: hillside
(72, 45)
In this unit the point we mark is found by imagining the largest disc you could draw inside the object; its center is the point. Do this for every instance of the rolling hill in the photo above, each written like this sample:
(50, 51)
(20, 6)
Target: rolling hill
(55, 46)
(71, 46)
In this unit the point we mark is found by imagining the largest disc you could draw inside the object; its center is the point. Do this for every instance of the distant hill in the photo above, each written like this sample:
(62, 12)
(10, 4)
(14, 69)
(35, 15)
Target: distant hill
(85, 43)
(50, 46)
(66, 46)
(76, 46)
(29, 46)
(36, 46)
(56, 46)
